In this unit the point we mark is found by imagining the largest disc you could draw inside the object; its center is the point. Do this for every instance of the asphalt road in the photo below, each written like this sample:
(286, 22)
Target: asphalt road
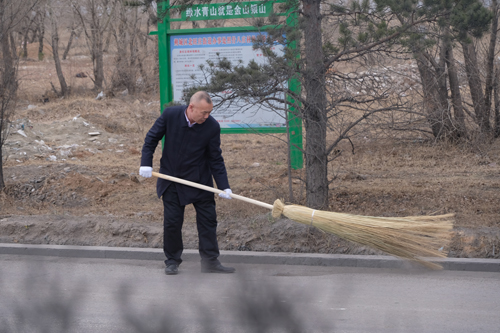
(54, 294)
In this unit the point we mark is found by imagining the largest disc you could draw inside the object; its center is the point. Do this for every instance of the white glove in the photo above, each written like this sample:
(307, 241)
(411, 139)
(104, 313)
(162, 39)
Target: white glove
(145, 172)
(226, 193)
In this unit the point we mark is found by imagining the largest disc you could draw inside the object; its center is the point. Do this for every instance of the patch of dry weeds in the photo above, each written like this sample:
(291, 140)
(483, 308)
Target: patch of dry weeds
(90, 193)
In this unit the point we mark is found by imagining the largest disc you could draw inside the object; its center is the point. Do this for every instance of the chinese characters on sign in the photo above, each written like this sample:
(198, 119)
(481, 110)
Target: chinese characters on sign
(212, 40)
(219, 11)
(188, 52)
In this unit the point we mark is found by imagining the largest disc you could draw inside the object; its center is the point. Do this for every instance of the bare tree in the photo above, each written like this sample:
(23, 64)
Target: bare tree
(432, 45)
(482, 101)
(95, 16)
(496, 97)
(127, 43)
(11, 15)
(55, 51)
(40, 22)
(27, 27)
(130, 32)
(75, 32)
(458, 129)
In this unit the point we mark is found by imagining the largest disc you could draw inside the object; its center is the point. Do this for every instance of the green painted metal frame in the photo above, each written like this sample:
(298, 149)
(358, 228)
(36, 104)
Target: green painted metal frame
(166, 94)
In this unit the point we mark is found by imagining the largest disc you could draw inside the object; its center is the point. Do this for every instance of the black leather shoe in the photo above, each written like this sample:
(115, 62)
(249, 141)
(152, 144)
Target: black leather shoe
(217, 269)
(171, 269)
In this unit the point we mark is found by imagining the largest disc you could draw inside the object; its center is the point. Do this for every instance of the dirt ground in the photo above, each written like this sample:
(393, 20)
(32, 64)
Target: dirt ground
(72, 178)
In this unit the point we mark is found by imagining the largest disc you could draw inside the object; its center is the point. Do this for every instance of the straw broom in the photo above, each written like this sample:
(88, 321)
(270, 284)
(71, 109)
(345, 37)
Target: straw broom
(412, 237)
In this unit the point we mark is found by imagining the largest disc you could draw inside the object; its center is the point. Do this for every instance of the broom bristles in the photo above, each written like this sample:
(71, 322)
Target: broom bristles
(411, 237)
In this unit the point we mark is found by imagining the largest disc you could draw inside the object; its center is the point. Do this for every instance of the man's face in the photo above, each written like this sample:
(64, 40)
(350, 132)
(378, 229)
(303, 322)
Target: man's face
(198, 112)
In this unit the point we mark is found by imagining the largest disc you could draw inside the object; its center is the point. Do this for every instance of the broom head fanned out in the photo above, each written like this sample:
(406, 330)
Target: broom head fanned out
(412, 237)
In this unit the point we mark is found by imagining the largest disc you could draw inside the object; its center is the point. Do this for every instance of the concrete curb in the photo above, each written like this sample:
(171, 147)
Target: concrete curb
(276, 258)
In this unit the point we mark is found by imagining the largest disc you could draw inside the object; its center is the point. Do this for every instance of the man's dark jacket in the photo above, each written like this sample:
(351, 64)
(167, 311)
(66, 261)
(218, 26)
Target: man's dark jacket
(190, 153)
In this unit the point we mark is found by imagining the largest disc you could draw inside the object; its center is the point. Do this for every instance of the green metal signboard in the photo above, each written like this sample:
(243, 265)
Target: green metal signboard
(182, 51)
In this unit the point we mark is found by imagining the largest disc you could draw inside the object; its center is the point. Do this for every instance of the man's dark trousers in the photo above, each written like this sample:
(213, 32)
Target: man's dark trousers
(206, 222)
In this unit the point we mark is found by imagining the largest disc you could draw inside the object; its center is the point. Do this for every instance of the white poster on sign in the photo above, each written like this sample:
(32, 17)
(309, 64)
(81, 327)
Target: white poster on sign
(188, 52)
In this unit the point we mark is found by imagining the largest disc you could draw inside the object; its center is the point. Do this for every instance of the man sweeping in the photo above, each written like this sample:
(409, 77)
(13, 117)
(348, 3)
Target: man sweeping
(192, 152)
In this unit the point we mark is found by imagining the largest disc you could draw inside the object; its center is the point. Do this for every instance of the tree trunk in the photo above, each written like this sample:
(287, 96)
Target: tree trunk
(98, 58)
(41, 35)
(26, 31)
(458, 130)
(496, 89)
(475, 87)
(120, 78)
(143, 41)
(24, 55)
(132, 79)
(8, 88)
(3, 96)
(156, 68)
(55, 52)
(108, 39)
(445, 112)
(8, 83)
(315, 111)
(13, 46)
(70, 41)
(99, 68)
(142, 71)
(490, 69)
(435, 101)
(2, 183)
(34, 35)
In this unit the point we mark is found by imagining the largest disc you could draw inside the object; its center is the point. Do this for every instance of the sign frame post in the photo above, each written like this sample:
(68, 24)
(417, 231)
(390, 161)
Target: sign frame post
(195, 12)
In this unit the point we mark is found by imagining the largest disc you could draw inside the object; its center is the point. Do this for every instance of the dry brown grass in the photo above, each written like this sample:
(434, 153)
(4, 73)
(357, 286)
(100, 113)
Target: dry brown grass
(385, 177)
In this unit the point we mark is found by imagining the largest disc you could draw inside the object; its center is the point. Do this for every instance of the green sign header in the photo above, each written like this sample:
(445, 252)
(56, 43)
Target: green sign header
(224, 11)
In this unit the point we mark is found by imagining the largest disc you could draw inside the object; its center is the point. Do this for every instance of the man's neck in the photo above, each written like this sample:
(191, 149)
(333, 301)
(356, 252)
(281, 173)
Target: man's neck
(190, 124)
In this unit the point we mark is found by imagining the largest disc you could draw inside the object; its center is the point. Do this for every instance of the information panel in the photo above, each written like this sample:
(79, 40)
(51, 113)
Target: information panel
(188, 52)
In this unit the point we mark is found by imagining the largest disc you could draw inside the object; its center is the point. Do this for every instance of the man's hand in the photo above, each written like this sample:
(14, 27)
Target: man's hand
(145, 171)
(226, 193)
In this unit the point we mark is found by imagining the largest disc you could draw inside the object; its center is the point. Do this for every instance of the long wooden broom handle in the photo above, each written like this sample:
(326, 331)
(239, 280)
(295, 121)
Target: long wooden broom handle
(211, 189)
